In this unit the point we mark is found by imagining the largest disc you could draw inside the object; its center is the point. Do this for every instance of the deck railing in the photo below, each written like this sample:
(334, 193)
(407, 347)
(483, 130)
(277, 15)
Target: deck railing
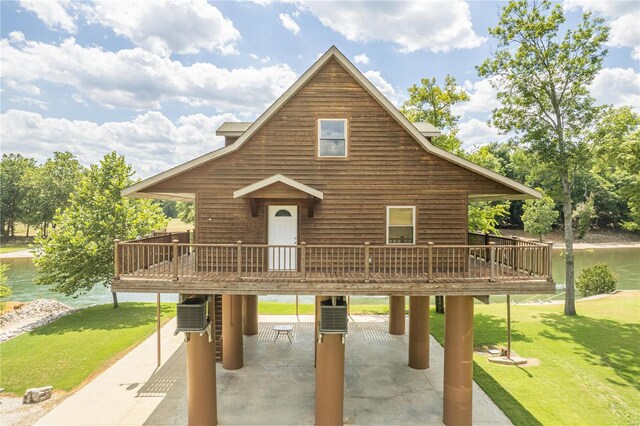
(495, 261)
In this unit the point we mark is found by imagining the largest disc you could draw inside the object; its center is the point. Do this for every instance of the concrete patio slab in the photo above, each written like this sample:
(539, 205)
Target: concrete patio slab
(276, 385)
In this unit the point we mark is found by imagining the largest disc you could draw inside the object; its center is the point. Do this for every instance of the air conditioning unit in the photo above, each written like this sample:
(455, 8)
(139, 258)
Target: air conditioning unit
(333, 316)
(192, 315)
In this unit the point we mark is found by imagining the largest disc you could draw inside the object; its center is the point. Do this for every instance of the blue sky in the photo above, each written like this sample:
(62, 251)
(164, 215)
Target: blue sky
(155, 79)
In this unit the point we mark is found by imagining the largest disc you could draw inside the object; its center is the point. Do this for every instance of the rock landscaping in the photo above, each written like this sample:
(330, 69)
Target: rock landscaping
(30, 316)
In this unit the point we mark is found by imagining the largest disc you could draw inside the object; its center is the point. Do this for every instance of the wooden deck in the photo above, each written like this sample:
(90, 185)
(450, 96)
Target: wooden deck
(345, 270)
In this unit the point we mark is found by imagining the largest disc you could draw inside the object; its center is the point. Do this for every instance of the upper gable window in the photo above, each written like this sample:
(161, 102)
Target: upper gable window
(332, 138)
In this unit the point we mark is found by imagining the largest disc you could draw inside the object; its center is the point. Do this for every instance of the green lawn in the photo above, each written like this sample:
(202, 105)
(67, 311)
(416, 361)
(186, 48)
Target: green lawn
(278, 308)
(589, 371)
(11, 248)
(66, 352)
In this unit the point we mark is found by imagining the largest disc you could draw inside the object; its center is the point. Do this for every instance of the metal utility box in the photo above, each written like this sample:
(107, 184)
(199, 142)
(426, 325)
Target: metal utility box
(333, 317)
(192, 315)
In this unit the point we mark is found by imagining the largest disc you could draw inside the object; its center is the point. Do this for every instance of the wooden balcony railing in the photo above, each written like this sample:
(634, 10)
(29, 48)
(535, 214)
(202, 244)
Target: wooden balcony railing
(176, 260)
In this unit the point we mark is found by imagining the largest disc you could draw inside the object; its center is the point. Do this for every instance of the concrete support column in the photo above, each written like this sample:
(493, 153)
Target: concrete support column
(458, 360)
(201, 379)
(419, 332)
(396, 315)
(232, 354)
(329, 379)
(250, 315)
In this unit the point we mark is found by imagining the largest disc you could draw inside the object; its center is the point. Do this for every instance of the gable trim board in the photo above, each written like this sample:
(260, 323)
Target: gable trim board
(524, 191)
(274, 179)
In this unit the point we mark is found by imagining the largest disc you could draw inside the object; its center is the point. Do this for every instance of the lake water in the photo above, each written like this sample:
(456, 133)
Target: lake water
(625, 263)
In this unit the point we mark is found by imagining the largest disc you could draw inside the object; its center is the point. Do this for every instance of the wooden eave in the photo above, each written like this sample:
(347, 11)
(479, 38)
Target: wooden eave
(521, 191)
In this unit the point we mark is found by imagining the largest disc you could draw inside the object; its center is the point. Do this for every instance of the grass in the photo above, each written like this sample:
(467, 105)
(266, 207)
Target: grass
(279, 308)
(12, 248)
(68, 351)
(588, 370)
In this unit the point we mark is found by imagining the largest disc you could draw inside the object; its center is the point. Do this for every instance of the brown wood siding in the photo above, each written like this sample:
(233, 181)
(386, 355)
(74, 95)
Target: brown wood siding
(386, 166)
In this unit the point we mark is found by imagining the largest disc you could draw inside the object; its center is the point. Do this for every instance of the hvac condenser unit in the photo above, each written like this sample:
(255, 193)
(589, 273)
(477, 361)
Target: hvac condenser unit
(192, 315)
(333, 316)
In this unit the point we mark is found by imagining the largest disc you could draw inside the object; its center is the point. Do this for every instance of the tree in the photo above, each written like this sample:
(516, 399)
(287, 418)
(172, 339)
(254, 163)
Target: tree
(582, 217)
(5, 290)
(432, 104)
(13, 189)
(484, 216)
(48, 189)
(78, 253)
(186, 212)
(617, 147)
(540, 215)
(542, 73)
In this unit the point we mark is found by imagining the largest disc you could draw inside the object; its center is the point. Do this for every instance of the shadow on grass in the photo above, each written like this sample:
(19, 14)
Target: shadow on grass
(104, 317)
(492, 331)
(516, 412)
(605, 343)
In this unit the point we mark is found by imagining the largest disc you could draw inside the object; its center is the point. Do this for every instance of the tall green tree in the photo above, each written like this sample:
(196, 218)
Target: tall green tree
(49, 187)
(78, 253)
(539, 216)
(14, 168)
(542, 71)
(430, 103)
(616, 139)
(186, 212)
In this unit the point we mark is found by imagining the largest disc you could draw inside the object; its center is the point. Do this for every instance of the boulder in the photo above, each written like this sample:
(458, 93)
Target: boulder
(35, 395)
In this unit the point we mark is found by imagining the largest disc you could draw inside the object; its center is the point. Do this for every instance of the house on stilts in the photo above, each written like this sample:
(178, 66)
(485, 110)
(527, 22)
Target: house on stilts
(331, 192)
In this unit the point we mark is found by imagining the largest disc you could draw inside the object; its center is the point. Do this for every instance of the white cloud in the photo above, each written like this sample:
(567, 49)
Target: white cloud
(624, 17)
(160, 26)
(263, 59)
(16, 37)
(482, 98)
(138, 79)
(361, 59)
(54, 13)
(289, 23)
(165, 26)
(437, 26)
(151, 141)
(384, 86)
(475, 132)
(617, 86)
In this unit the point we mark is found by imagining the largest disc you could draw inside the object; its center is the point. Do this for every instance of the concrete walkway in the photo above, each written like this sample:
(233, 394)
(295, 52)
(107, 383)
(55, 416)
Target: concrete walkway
(276, 386)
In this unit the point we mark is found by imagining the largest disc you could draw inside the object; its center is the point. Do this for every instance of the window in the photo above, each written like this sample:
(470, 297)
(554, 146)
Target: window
(332, 138)
(283, 213)
(401, 225)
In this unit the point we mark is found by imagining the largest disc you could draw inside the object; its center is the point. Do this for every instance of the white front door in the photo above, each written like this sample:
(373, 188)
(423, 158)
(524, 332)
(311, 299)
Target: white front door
(283, 231)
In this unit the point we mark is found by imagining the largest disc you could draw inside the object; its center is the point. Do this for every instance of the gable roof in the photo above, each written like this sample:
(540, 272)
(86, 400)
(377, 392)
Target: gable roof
(524, 192)
(274, 179)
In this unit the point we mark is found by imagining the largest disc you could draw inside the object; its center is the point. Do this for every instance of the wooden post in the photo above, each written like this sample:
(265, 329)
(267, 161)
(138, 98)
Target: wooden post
(116, 259)
(175, 260)
(303, 266)
(366, 262)
(508, 326)
(239, 259)
(550, 261)
(158, 327)
(492, 261)
(430, 262)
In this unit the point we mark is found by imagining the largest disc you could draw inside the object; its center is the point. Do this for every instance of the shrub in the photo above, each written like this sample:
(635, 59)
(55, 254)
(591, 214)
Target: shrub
(596, 279)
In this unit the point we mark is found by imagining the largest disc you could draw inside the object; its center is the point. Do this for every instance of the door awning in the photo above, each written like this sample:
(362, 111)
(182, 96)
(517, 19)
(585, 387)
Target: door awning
(278, 184)
(279, 187)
